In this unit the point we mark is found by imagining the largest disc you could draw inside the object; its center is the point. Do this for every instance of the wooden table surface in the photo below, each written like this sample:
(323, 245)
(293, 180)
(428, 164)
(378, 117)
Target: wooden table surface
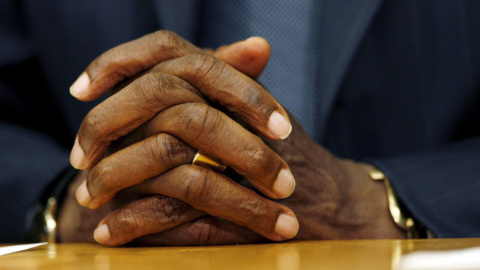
(350, 254)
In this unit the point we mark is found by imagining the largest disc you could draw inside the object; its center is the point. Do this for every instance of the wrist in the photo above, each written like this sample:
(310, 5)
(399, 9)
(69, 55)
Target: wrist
(370, 204)
(401, 216)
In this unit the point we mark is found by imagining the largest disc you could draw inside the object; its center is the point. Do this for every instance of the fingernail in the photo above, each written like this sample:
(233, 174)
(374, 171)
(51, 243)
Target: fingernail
(285, 183)
(83, 197)
(77, 157)
(101, 234)
(79, 87)
(255, 39)
(287, 226)
(279, 125)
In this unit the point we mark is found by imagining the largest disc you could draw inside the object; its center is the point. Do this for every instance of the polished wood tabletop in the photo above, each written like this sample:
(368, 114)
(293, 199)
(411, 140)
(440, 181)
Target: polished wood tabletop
(349, 254)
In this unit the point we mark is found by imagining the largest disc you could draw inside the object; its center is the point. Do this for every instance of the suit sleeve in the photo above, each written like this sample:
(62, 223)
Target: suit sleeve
(30, 157)
(441, 188)
(29, 161)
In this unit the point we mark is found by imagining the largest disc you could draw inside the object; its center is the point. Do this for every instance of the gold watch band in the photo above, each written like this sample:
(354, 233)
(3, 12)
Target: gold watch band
(398, 213)
(42, 216)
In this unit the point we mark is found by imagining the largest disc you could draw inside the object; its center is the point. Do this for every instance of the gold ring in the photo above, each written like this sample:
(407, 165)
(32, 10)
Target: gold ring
(205, 161)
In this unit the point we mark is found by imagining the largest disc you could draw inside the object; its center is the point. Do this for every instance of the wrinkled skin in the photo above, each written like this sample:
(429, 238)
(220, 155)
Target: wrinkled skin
(137, 146)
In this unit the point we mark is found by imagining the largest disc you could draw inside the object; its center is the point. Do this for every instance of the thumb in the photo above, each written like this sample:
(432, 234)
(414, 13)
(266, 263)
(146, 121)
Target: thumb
(249, 56)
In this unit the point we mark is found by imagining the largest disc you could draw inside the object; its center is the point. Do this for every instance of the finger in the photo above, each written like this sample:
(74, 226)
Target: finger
(131, 165)
(146, 216)
(234, 90)
(219, 196)
(215, 134)
(206, 230)
(249, 56)
(127, 60)
(125, 111)
(155, 91)
(201, 127)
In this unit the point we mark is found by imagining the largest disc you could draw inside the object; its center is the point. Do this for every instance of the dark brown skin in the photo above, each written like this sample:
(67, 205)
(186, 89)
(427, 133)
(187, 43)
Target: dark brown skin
(159, 117)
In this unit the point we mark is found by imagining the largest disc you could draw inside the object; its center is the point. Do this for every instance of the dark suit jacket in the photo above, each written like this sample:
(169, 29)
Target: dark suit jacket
(399, 88)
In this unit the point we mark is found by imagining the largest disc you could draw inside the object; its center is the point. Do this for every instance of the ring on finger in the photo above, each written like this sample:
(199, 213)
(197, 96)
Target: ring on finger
(205, 161)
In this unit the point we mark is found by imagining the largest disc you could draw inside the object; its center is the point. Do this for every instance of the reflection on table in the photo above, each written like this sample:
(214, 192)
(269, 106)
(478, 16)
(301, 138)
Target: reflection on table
(349, 254)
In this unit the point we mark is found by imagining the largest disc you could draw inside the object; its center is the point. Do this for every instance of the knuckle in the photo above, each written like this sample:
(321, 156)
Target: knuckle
(258, 158)
(194, 186)
(206, 68)
(110, 61)
(237, 93)
(168, 150)
(101, 178)
(155, 91)
(93, 124)
(96, 128)
(255, 213)
(253, 96)
(257, 209)
(166, 210)
(202, 119)
(147, 215)
(169, 44)
(126, 222)
(207, 232)
(199, 187)
(149, 90)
